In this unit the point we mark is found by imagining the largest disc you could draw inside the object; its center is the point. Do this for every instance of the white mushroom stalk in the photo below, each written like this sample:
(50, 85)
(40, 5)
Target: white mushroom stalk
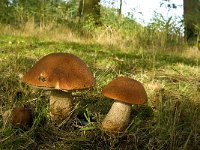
(118, 117)
(60, 104)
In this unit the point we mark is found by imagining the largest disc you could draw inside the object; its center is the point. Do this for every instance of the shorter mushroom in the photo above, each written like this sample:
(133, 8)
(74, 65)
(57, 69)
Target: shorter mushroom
(61, 73)
(125, 91)
(22, 116)
(18, 116)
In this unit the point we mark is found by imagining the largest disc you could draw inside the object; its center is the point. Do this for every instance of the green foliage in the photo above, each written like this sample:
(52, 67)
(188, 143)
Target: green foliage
(165, 32)
(89, 25)
(42, 12)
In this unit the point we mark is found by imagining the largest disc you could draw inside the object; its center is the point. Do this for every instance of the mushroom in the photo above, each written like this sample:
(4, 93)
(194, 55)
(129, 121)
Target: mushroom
(18, 116)
(61, 73)
(22, 116)
(125, 91)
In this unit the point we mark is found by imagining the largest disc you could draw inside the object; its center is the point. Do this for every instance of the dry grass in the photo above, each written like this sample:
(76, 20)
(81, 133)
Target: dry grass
(126, 39)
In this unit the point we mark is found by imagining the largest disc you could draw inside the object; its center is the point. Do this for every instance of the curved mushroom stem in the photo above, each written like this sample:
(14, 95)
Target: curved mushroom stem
(117, 118)
(60, 104)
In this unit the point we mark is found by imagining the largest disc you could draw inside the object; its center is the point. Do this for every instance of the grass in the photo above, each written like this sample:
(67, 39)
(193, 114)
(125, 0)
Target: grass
(170, 120)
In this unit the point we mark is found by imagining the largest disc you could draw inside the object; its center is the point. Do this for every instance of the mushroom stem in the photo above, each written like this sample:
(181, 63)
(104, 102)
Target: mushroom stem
(117, 118)
(60, 104)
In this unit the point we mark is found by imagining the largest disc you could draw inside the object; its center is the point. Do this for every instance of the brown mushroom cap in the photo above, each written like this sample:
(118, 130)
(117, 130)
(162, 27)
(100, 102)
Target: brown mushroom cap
(22, 116)
(125, 90)
(61, 71)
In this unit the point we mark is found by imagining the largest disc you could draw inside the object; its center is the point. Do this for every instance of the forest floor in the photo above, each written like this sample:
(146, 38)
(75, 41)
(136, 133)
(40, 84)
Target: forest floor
(170, 119)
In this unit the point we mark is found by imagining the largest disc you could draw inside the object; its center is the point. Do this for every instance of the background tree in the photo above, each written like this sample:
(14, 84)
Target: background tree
(191, 18)
(120, 8)
(89, 9)
(4, 11)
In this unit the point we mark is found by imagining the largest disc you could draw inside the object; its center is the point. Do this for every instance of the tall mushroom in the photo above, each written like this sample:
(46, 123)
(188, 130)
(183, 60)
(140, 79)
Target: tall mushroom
(61, 73)
(125, 91)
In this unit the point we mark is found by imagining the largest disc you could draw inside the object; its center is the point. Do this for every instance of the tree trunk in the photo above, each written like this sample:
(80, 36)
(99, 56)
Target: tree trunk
(4, 9)
(89, 9)
(120, 8)
(191, 19)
